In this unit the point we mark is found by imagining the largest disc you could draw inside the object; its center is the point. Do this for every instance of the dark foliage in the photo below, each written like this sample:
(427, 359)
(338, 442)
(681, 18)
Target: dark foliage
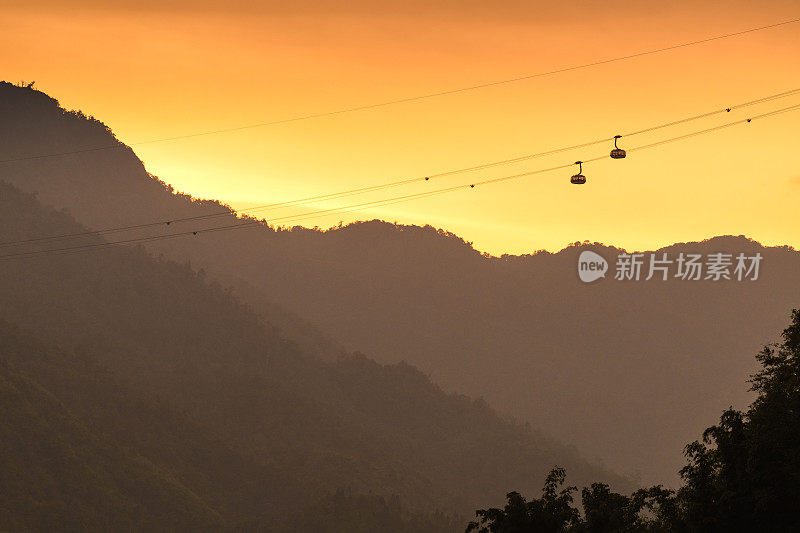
(743, 475)
(552, 512)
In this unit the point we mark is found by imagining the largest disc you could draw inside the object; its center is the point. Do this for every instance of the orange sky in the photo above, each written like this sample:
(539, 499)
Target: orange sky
(155, 69)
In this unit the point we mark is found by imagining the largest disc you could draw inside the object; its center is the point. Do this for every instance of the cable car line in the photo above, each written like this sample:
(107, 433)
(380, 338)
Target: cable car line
(372, 188)
(411, 98)
(255, 223)
(378, 203)
(700, 132)
(728, 109)
(721, 126)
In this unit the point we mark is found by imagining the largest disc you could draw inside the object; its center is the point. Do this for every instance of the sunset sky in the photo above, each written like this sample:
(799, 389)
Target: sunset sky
(152, 69)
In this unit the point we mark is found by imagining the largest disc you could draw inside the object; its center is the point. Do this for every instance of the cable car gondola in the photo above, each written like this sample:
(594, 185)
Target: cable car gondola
(579, 178)
(617, 152)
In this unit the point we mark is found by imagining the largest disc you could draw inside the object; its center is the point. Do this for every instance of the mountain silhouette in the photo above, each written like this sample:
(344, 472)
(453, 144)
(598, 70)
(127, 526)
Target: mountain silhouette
(626, 371)
(193, 398)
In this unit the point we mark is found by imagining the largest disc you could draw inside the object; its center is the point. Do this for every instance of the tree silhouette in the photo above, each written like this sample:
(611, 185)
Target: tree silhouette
(608, 511)
(742, 475)
(746, 469)
(553, 512)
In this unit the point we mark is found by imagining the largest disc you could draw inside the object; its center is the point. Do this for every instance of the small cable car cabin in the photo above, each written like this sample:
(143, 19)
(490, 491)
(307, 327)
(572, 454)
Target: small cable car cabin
(617, 152)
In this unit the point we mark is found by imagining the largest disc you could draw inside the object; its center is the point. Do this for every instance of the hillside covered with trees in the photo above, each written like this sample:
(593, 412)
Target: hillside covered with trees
(140, 383)
(360, 378)
(611, 367)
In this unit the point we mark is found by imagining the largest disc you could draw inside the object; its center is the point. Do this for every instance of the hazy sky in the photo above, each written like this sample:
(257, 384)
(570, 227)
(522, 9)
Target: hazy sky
(157, 69)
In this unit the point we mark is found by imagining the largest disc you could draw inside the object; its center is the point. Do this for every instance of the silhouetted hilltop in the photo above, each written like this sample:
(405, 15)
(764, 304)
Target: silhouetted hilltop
(174, 368)
(609, 366)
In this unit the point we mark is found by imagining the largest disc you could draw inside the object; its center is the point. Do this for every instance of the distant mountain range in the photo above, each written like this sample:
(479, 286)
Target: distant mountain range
(628, 372)
(140, 392)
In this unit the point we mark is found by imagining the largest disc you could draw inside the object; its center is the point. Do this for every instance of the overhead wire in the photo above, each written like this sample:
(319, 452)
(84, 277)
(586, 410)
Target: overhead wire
(373, 188)
(378, 203)
(411, 98)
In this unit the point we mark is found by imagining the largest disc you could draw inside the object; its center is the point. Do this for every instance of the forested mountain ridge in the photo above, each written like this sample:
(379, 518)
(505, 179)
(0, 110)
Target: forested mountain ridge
(169, 365)
(83, 451)
(606, 366)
